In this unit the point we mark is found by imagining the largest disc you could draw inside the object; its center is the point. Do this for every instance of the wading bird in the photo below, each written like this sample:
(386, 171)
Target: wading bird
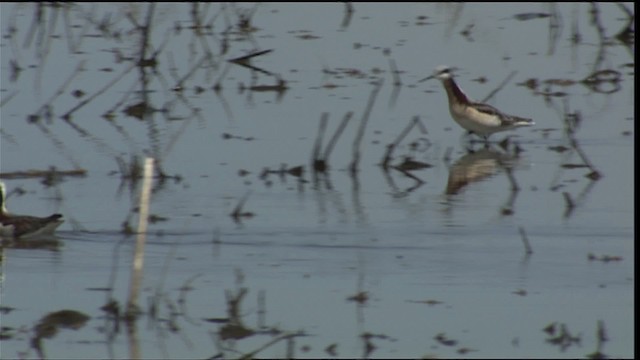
(24, 226)
(480, 119)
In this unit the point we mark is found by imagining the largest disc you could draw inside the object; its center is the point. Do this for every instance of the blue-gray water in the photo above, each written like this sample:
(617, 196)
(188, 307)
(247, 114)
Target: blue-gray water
(445, 275)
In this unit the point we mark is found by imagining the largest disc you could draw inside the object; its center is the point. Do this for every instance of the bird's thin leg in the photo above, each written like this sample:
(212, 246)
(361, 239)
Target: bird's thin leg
(481, 138)
(465, 139)
(469, 148)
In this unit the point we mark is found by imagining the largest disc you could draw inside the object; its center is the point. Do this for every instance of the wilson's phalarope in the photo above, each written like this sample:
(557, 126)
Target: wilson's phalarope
(24, 226)
(480, 119)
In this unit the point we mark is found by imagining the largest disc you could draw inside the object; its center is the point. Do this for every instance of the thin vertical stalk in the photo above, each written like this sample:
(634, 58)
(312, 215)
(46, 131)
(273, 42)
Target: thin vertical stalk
(138, 256)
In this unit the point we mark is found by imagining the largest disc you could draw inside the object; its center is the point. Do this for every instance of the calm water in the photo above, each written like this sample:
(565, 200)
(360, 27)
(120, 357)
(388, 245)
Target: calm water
(421, 263)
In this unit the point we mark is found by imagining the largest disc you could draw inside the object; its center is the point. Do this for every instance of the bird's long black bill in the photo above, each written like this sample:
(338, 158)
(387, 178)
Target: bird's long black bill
(427, 78)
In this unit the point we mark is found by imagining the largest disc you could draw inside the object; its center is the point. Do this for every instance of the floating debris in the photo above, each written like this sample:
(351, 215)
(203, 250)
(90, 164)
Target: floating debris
(138, 110)
(564, 339)
(227, 136)
(279, 87)
(235, 332)
(602, 76)
(558, 149)
(429, 302)
(63, 319)
(308, 37)
(157, 218)
(296, 171)
(573, 166)
(530, 16)
(520, 292)
(6, 309)
(369, 345)
(217, 320)
(409, 165)
(550, 329)
(78, 93)
(560, 82)
(604, 258)
(7, 332)
(331, 350)
(532, 84)
(594, 175)
(442, 339)
(361, 297)
(599, 79)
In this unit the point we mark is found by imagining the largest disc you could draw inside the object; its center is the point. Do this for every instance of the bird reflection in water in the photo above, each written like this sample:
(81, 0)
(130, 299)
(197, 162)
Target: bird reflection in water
(478, 165)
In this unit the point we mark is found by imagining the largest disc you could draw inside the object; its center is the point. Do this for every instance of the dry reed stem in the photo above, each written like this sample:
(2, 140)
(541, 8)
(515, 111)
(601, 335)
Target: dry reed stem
(138, 256)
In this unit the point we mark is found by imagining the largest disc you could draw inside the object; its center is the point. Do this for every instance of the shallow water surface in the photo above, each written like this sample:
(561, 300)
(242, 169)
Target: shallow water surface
(387, 261)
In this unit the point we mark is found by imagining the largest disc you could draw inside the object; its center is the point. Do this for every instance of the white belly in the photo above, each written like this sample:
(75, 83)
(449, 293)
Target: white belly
(473, 120)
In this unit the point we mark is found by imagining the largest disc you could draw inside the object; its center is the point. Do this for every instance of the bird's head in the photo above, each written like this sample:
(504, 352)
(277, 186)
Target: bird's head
(442, 72)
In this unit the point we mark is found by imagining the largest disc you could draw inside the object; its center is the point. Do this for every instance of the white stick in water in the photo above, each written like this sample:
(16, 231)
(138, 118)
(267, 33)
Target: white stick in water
(138, 256)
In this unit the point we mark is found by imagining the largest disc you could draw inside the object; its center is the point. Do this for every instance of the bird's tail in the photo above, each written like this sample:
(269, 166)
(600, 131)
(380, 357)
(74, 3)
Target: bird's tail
(518, 121)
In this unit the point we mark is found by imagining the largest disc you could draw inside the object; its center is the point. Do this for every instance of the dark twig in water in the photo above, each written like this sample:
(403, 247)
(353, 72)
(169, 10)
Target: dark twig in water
(146, 33)
(43, 173)
(572, 121)
(189, 74)
(597, 24)
(45, 107)
(397, 83)
(601, 338)
(319, 164)
(507, 208)
(502, 84)
(410, 175)
(395, 73)
(569, 204)
(246, 58)
(525, 240)
(626, 35)
(353, 168)
(447, 154)
(334, 139)
(512, 179)
(605, 81)
(245, 61)
(237, 212)
(348, 14)
(287, 336)
(391, 147)
(555, 28)
(182, 300)
(262, 308)
(67, 115)
(594, 174)
(7, 98)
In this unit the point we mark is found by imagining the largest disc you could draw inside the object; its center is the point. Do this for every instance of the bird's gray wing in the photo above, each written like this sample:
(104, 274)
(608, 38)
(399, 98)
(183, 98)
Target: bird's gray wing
(505, 118)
